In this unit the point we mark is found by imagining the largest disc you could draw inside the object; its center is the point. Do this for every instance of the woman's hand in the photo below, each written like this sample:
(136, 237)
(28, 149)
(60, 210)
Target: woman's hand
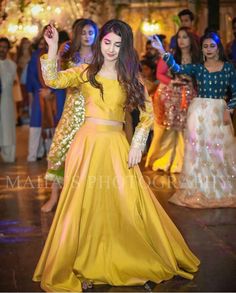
(156, 43)
(226, 117)
(135, 156)
(51, 35)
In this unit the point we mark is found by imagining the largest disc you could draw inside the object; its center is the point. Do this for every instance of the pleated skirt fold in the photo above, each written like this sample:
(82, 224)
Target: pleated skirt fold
(108, 227)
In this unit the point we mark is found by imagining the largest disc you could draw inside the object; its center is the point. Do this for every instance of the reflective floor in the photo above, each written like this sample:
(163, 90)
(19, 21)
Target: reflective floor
(211, 233)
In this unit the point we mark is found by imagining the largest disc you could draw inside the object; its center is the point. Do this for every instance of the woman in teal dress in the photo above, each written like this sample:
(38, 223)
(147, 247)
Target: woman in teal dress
(208, 179)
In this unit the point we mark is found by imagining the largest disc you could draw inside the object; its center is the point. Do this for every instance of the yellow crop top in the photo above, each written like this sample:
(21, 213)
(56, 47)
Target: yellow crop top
(111, 107)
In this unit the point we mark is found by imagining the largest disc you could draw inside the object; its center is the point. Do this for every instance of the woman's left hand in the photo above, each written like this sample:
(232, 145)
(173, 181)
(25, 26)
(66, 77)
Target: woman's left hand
(226, 118)
(135, 156)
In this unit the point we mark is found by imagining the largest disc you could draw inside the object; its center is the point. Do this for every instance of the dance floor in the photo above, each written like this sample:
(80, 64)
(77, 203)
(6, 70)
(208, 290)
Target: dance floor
(211, 233)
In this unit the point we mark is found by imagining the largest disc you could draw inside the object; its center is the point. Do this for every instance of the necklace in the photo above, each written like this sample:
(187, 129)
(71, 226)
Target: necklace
(214, 67)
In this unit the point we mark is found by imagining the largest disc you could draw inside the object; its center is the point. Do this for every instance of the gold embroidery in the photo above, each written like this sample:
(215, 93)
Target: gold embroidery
(49, 68)
(72, 118)
(140, 138)
(142, 130)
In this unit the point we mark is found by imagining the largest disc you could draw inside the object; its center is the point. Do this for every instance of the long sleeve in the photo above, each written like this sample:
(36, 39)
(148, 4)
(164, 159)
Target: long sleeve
(62, 79)
(232, 101)
(142, 130)
(161, 72)
(189, 69)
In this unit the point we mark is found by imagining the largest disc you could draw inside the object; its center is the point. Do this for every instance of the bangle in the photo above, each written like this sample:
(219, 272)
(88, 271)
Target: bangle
(165, 56)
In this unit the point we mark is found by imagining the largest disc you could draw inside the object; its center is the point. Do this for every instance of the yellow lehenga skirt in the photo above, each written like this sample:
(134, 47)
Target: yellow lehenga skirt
(108, 226)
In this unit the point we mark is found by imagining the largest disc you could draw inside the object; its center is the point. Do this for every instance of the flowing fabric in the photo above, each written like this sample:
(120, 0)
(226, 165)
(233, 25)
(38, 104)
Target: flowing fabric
(109, 227)
(209, 173)
(170, 104)
(170, 108)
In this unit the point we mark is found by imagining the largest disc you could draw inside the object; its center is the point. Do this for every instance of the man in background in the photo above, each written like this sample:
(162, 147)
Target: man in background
(7, 106)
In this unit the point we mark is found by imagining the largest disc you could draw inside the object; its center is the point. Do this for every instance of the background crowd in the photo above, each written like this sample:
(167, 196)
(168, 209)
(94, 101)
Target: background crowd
(25, 99)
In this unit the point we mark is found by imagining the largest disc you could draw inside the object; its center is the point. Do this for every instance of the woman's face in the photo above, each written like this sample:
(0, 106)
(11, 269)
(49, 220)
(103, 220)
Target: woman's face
(183, 40)
(110, 46)
(88, 36)
(210, 49)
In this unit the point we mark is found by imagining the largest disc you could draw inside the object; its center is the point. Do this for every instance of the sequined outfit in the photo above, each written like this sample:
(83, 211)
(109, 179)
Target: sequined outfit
(71, 120)
(171, 102)
(170, 105)
(208, 179)
(106, 214)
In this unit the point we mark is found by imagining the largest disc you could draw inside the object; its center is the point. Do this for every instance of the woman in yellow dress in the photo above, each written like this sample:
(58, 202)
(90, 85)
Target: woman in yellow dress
(108, 227)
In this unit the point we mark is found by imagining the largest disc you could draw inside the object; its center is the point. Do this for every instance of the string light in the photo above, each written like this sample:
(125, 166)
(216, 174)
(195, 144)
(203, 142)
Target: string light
(33, 15)
(150, 27)
(36, 9)
(58, 10)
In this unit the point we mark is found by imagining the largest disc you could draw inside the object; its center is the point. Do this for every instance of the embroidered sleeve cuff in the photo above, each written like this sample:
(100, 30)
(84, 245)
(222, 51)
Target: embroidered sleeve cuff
(166, 56)
(140, 138)
(170, 61)
(49, 68)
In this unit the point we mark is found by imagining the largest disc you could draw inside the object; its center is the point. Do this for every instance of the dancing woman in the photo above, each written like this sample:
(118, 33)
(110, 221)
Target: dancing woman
(209, 171)
(106, 214)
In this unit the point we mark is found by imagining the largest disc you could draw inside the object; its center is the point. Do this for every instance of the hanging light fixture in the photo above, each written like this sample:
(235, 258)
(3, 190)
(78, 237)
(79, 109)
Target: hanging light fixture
(149, 26)
(36, 9)
(32, 15)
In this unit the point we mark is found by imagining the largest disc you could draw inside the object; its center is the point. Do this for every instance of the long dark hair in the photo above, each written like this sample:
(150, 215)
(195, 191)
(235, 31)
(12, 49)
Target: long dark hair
(194, 46)
(75, 44)
(215, 37)
(20, 48)
(127, 64)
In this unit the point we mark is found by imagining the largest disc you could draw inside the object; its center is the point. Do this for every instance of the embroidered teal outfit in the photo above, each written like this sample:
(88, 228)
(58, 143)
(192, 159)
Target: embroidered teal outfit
(213, 85)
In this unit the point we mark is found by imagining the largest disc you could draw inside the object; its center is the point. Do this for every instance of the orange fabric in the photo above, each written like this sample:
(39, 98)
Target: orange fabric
(184, 99)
